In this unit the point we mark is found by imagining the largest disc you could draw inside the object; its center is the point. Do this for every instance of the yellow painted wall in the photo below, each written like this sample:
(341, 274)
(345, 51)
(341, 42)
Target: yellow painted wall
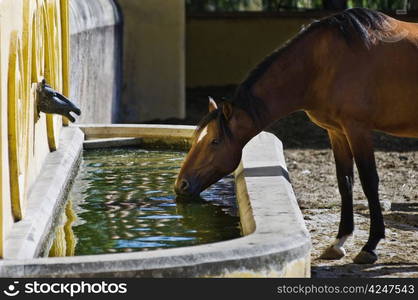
(153, 60)
(34, 45)
(221, 49)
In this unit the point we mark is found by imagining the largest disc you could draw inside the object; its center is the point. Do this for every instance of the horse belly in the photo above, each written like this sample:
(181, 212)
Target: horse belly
(401, 120)
(401, 130)
(395, 99)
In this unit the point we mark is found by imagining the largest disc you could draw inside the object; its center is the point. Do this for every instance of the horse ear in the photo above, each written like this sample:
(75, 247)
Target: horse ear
(227, 110)
(212, 105)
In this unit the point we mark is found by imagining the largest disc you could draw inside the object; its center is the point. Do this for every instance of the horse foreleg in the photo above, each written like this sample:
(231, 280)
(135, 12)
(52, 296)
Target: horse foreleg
(344, 165)
(361, 145)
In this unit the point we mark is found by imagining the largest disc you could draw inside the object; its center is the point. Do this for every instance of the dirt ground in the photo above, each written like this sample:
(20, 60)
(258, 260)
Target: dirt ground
(312, 171)
(314, 183)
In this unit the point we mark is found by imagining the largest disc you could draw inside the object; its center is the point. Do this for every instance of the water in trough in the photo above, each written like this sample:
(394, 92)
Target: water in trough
(122, 200)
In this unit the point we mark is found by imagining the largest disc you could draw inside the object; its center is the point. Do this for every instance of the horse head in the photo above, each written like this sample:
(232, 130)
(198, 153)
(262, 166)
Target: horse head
(216, 149)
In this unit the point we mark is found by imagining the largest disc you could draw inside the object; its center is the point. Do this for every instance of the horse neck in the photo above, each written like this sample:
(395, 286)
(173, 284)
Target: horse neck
(288, 84)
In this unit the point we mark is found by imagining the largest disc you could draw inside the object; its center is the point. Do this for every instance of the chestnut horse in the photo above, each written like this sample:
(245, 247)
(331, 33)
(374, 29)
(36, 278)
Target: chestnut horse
(352, 73)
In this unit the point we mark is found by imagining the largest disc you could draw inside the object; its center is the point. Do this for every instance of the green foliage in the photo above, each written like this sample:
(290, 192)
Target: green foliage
(378, 4)
(282, 5)
(217, 5)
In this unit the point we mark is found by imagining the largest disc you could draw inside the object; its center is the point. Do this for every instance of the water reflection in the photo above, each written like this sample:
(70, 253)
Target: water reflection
(124, 201)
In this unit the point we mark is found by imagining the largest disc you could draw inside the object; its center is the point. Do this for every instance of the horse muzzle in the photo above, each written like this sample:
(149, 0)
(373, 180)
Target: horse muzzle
(186, 188)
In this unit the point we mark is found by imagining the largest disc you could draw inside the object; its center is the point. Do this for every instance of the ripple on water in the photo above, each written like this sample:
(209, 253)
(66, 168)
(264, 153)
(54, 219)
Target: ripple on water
(124, 202)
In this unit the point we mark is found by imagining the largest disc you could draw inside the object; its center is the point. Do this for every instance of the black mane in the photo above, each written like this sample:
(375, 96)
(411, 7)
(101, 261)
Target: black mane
(355, 25)
(352, 23)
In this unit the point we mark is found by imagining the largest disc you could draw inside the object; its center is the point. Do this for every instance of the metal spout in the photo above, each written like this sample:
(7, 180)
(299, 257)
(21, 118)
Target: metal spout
(52, 102)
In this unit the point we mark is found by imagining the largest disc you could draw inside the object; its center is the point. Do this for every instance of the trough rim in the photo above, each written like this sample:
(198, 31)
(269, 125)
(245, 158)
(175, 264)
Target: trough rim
(265, 251)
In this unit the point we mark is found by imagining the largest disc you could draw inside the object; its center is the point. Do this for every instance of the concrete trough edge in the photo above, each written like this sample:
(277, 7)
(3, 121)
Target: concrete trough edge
(46, 197)
(97, 131)
(276, 241)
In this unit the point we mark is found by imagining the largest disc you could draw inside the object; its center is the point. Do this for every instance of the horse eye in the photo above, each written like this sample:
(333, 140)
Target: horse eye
(215, 142)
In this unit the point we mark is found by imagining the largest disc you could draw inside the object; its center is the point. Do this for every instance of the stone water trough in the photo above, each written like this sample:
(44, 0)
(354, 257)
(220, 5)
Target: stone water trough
(275, 241)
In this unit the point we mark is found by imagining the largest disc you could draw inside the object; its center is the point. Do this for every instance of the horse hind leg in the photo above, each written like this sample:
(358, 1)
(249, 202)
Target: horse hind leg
(361, 145)
(344, 166)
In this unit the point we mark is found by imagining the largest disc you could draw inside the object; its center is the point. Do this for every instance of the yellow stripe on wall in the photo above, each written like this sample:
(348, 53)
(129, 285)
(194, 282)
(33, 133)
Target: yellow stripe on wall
(34, 36)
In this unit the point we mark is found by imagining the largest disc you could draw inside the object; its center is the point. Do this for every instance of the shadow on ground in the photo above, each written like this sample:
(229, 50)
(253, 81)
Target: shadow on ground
(395, 269)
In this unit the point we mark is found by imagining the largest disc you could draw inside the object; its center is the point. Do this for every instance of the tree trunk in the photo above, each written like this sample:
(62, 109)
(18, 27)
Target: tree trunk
(413, 4)
(334, 4)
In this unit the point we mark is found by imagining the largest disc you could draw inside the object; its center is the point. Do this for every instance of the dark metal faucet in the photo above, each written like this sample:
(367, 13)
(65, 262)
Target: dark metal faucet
(52, 102)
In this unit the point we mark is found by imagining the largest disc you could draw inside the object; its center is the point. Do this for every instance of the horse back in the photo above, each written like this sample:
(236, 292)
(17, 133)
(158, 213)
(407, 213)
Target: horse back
(376, 86)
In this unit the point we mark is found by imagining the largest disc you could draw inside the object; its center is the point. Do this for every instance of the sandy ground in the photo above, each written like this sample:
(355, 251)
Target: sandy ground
(312, 171)
(314, 183)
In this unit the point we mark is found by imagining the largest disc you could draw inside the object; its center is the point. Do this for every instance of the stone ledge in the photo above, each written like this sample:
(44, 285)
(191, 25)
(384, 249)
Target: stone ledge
(96, 131)
(91, 14)
(46, 198)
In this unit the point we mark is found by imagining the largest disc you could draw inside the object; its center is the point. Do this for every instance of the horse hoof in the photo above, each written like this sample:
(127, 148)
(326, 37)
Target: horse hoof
(333, 252)
(365, 257)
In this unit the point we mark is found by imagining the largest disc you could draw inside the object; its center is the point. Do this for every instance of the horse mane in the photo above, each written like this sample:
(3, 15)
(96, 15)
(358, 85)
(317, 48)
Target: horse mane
(220, 119)
(355, 25)
(361, 23)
